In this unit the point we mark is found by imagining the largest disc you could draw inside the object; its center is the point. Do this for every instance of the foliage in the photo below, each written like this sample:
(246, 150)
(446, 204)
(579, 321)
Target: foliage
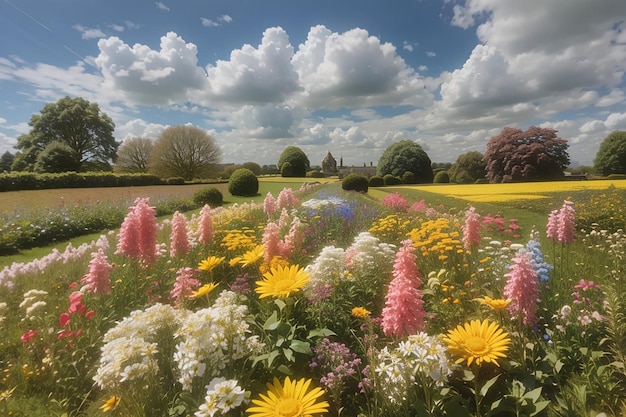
(74, 122)
(409, 178)
(391, 179)
(243, 183)
(403, 156)
(133, 155)
(316, 173)
(56, 157)
(467, 168)
(376, 181)
(355, 182)
(298, 160)
(442, 177)
(208, 195)
(175, 181)
(16, 181)
(6, 160)
(535, 154)
(184, 151)
(286, 170)
(611, 157)
(252, 166)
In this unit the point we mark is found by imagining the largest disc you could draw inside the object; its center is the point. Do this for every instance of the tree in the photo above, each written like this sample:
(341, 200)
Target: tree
(57, 157)
(611, 157)
(298, 160)
(6, 160)
(535, 154)
(252, 166)
(133, 155)
(468, 168)
(404, 156)
(184, 151)
(74, 122)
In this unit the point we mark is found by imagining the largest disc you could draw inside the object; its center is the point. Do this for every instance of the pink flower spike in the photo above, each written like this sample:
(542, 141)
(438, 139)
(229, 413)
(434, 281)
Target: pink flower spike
(179, 239)
(471, 230)
(205, 229)
(98, 279)
(522, 287)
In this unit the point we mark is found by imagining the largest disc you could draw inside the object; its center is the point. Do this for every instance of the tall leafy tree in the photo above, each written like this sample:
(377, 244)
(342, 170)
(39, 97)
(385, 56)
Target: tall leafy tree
(6, 160)
(184, 151)
(406, 156)
(133, 155)
(468, 168)
(74, 122)
(611, 157)
(57, 157)
(532, 155)
(299, 162)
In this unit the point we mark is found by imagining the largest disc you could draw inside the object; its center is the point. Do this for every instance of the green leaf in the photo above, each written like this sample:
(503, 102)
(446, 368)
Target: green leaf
(284, 369)
(320, 333)
(272, 355)
(539, 407)
(280, 303)
(272, 322)
(289, 355)
(301, 347)
(534, 395)
(485, 388)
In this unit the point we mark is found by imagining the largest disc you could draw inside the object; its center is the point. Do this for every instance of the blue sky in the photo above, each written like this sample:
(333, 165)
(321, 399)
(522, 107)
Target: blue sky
(350, 77)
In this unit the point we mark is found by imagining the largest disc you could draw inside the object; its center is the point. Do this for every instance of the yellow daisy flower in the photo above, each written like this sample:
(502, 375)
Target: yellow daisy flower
(280, 282)
(210, 263)
(496, 304)
(252, 256)
(361, 312)
(477, 342)
(110, 404)
(202, 291)
(293, 399)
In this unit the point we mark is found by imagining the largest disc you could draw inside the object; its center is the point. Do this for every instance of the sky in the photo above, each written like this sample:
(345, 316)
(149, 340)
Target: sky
(342, 76)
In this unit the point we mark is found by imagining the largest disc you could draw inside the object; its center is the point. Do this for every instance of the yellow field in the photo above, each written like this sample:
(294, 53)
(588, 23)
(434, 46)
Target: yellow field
(516, 191)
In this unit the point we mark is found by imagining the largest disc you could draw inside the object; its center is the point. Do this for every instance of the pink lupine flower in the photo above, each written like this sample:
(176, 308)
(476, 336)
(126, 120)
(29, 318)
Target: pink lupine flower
(76, 303)
(138, 234)
(270, 206)
(404, 313)
(522, 287)
(471, 230)
(205, 227)
(395, 201)
(128, 238)
(270, 242)
(418, 206)
(567, 223)
(286, 199)
(98, 280)
(553, 225)
(185, 284)
(179, 244)
(292, 240)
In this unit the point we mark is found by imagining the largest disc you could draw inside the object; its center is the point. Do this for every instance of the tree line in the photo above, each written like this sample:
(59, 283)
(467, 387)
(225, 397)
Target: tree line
(75, 135)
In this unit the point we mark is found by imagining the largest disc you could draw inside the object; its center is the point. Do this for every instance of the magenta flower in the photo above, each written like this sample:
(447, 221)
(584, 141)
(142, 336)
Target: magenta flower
(185, 284)
(205, 228)
(138, 234)
(404, 313)
(471, 230)
(522, 287)
(98, 279)
(395, 201)
(179, 244)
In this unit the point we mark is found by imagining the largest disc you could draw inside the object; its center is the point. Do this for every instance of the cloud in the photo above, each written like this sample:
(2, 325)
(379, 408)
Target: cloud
(407, 46)
(431, 54)
(89, 33)
(255, 75)
(152, 77)
(161, 6)
(214, 23)
(265, 122)
(139, 128)
(117, 28)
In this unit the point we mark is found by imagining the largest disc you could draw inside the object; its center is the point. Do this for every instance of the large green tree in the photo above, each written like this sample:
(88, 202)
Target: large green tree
(133, 155)
(532, 155)
(299, 162)
(468, 168)
(6, 160)
(184, 151)
(74, 122)
(611, 157)
(406, 156)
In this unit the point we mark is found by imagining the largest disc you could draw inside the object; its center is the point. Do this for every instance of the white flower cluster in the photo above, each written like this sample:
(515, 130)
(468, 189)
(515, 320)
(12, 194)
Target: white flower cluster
(222, 396)
(315, 203)
(32, 303)
(212, 338)
(3, 307)
(368, 255)
(416, 359)
(131, 347)
(328, 268)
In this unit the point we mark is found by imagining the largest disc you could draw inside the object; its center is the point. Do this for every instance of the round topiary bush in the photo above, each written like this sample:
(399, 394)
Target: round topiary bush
(175, 181)
(377, 181)
(315, 174)
(243, 183)
(409, 178)
(208, 195)
(442, 177)
(355, 182)
(392, 180)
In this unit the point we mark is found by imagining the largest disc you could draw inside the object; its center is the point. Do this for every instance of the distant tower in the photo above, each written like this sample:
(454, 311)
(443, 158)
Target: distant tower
(329, 164)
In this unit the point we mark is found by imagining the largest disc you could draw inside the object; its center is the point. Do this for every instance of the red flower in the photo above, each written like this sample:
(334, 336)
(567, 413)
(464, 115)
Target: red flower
(64, 318)
(28, 335)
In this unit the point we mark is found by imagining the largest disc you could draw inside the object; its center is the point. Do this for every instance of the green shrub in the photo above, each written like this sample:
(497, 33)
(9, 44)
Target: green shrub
(286, 170)
(377, 181)
(442, 177)
(392, 180)
(315, 174)
(616, 176)
(208, 195)
(481, 181)
(243, 183)
(355, 182)
(409, 178)
(175, 181)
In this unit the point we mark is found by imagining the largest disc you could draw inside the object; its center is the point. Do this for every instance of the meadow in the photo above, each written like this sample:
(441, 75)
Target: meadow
(308, 300)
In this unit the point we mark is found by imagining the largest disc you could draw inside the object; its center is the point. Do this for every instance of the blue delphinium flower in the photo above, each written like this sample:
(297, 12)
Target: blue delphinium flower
(542, 268)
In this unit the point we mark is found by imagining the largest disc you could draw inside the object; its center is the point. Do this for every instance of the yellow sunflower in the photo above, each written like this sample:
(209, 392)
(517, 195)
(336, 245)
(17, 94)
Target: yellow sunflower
(202, 291)
(110, 404)
(210, 263)
(478, 342)
(293, 399)
(252, 256)
(496, 304)
(281, 281)
(361, 312)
